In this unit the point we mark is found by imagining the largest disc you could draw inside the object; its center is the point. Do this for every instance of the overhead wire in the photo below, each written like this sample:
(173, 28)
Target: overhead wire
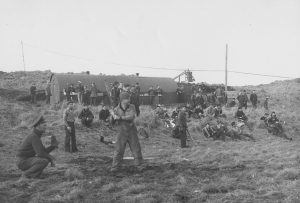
(156, 67)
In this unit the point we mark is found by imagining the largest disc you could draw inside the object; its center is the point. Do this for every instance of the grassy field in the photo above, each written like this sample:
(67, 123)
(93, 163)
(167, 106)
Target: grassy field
(264, 170)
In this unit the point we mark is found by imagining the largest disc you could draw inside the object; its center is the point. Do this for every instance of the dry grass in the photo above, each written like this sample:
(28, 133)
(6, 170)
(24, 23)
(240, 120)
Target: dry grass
(266, 170)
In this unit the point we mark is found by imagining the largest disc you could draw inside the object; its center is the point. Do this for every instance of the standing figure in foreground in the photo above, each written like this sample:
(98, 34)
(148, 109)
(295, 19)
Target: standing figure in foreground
(69, 120)
(48, 93)
(33, 156)
(182, 125)
(124, 115)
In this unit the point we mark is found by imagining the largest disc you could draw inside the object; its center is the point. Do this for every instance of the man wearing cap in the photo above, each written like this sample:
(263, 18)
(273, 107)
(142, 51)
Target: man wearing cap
(33, 156)
(86, 116)
(266, 103)
(135, 100)
(33, 93)
(69, 119)
(48, 93)
(124, 115)
(80, 91)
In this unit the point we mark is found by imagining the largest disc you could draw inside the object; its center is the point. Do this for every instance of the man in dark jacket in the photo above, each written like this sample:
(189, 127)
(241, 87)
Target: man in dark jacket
(33, 93)
(86, 116)
(115, 93)
(151, 93)
(93, 95)
(135, 100)
(253, 99)
(104, 114)
(48, 93)
(33, 157)
(241, 115)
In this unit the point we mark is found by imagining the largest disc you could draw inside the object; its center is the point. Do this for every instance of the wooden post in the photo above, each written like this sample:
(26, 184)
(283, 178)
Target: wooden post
(226, 67)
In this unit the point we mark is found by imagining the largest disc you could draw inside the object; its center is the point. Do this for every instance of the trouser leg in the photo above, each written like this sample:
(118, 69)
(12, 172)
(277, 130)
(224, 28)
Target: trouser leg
(137, 109)
(183, 138)
(33, 167)
(73, 138)
(67, 140)
(135, 147)
(119, 150)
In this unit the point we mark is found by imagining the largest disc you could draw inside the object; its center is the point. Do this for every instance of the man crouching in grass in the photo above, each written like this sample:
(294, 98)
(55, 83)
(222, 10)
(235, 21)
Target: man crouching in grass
(124, 115)
(33, 156)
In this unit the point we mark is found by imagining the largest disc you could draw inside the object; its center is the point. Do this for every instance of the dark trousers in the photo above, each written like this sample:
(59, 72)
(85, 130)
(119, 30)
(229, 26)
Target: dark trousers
(70, 139)
(94, 101)
(68, 97)
(183, 137)
(86, 122)
(254, 104)
(137, 109)
(127, 135)
(47, 99)
(33, 98)
(33, 166)
(151, 98)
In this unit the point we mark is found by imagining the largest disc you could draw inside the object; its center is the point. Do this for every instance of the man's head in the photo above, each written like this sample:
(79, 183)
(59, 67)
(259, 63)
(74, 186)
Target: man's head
(273, 114)
(85, 106)
(253, 91)
(39, 124)
(125, 98)
(240, 109)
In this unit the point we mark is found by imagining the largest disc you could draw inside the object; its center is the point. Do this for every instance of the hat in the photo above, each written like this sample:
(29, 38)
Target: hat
(37, 121)
(79, 81)
(124, 95)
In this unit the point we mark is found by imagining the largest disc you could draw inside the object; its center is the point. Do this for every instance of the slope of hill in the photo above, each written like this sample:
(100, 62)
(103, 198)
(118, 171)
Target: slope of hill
(264, 170)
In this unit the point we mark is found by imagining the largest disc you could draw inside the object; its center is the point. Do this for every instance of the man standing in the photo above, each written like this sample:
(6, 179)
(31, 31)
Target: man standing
(33, 93)
(33, 156)
(115, 94)
(94, 95)
(135, 100)
(266, 103)
(151, 95)
(138, 88)
(68, 92)
(80, 92)
(182, 126)
(48, 93)
(253, 99)
(86, 116)
(124, 115)
(69, 120)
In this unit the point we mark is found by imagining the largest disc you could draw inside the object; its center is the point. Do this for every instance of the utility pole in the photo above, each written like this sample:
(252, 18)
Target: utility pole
(226, 67)
(23, 56)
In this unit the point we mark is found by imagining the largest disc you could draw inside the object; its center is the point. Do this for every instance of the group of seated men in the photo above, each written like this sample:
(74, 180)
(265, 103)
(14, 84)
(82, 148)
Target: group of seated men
(86, 116)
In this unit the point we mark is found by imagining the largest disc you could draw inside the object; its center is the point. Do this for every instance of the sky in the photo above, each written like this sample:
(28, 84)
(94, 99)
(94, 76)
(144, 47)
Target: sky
(158, 38)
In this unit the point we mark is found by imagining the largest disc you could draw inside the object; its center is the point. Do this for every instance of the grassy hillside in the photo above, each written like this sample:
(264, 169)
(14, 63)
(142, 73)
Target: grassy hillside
(264, 170)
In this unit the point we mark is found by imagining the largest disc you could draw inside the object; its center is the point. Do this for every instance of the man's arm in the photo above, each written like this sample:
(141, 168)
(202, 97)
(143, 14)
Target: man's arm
(40, 149)
(130, 115)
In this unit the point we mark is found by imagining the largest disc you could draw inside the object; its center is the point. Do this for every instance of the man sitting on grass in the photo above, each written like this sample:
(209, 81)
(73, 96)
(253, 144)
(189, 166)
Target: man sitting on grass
(33, 157)
(86, 116)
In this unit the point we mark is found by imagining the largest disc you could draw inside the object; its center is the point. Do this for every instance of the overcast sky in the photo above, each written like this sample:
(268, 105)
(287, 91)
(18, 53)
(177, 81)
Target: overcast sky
(98, 35)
